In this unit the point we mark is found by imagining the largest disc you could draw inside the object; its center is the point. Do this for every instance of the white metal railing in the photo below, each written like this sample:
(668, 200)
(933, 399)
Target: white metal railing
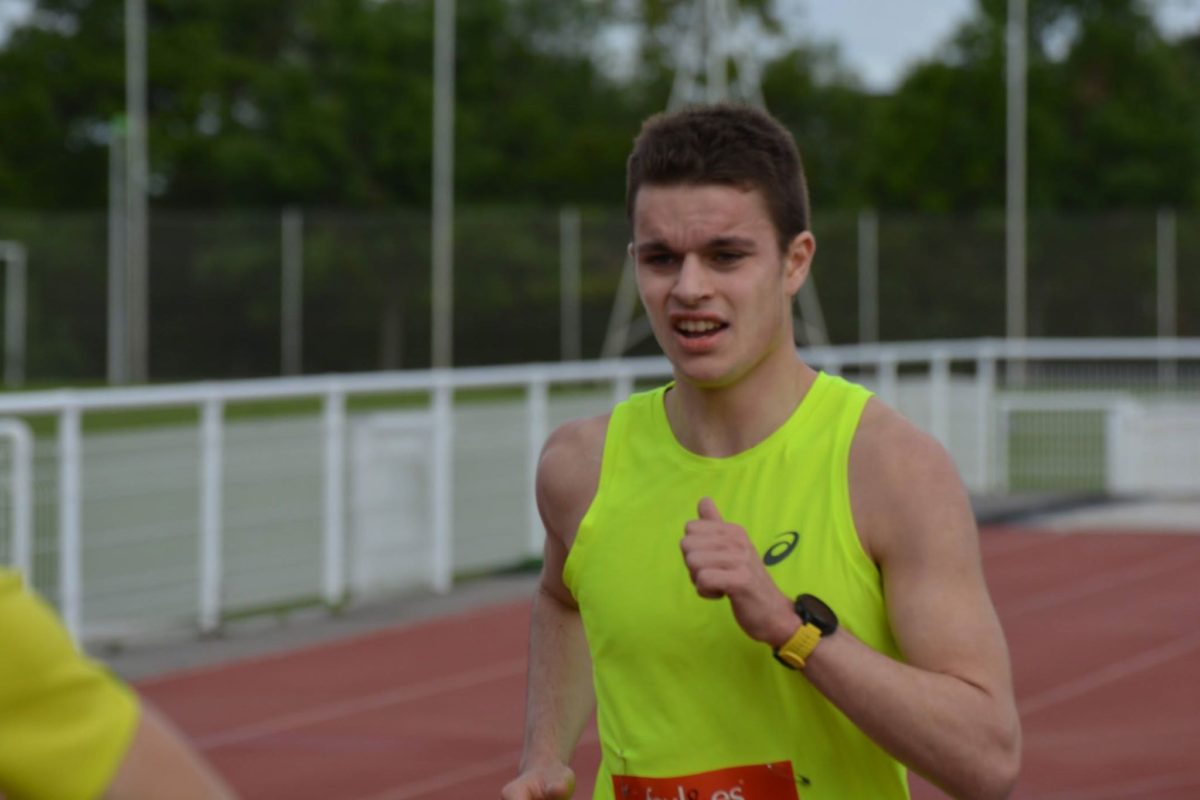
(20, 493)
(957, 393)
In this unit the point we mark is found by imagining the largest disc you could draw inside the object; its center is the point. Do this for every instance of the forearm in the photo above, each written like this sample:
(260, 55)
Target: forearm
(161, 762)
(953, 733)
(560, 698)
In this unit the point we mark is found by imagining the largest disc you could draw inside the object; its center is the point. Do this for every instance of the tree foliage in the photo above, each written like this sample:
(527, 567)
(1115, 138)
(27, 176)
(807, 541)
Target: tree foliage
(1113, 115)
(328, 102)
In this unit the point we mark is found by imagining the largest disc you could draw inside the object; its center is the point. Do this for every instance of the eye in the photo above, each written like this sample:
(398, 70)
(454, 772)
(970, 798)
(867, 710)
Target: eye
(727, 258)
(658, 259)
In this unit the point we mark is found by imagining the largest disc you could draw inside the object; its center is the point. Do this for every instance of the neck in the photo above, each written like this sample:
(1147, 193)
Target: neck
(726, 420)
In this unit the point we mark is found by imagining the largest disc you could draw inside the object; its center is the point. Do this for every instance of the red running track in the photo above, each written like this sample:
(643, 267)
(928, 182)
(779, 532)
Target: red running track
(1100, 626)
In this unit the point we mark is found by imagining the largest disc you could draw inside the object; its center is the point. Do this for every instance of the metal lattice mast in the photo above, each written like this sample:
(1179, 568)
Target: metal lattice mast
(717, 38)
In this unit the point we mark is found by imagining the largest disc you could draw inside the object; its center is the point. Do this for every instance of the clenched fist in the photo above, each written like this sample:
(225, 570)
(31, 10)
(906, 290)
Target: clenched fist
(556, 782)
(723, 562)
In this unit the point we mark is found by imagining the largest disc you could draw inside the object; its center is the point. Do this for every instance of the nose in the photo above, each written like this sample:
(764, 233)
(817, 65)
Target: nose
(692, 282)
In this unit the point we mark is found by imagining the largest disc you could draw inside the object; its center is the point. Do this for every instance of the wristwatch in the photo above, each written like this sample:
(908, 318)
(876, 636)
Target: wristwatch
(816, 621)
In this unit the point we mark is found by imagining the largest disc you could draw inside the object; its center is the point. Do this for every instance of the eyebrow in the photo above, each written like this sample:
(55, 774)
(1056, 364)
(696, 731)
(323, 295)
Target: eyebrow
(719, 243)
(738, 242)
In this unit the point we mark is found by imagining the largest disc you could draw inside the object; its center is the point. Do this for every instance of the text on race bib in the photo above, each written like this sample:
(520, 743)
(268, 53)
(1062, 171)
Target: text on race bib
(754, 782)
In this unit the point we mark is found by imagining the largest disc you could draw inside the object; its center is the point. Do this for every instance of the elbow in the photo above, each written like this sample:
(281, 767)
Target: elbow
(1011, 764)
(993, 773)
(999, 777)
(1003, 777)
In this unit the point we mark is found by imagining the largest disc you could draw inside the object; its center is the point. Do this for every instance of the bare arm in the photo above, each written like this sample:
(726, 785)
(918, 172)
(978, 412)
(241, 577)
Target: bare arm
(948, 710)
(559, 697)
(160, 763)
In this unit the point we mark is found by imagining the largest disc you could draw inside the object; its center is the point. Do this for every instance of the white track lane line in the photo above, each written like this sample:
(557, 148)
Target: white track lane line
(1097, 584)
(288, 651)
(372, 702)
(1030, 539)
(1090, 681)
(1186, 730)
(468, 772)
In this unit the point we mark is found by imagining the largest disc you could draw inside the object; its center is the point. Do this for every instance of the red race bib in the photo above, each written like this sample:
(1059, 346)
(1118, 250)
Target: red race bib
(755, 782)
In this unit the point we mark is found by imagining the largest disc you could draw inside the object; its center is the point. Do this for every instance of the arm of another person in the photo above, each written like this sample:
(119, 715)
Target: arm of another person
(948, 710)
(69, 728)
(559, 697)
(161, 764)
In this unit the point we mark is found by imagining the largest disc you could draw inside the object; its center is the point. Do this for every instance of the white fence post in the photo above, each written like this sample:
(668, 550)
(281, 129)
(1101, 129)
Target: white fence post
(985, 390)
(622, 385)
(443, 482)
(211, 446)
(21, 499)
(1120, 470)
(939, 396)
(537, 412)
(831, 364)
(888, 386)
(334, 563)
(1003, 435)
(70, 503)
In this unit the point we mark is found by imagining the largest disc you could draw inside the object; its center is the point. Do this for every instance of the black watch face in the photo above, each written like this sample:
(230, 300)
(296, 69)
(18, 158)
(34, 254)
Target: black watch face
(812, 609)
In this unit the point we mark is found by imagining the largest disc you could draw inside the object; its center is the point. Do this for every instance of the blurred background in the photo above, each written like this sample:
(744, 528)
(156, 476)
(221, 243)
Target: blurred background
(299, 208)
(294, 291)
(288, 174)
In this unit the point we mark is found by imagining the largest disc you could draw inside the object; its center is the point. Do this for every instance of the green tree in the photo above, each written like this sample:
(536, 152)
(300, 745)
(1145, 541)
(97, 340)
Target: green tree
(316, 101)
(1112, 115)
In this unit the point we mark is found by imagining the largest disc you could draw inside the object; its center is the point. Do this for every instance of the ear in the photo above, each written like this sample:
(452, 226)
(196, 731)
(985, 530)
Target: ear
(797, 260)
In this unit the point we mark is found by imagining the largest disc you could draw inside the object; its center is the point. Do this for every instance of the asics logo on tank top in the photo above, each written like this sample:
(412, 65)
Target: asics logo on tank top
(783, 546)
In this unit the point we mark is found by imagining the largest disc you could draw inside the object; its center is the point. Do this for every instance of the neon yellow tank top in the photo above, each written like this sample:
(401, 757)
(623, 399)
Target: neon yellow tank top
(680, 689)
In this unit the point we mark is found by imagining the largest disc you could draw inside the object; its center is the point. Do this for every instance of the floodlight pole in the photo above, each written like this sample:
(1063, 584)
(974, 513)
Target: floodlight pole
(1167, 283)
(1167, 290)
(118, 295)
(136, 170)
(443, 185)
(868, 276)
(13, 255)
(292, 292)
(1016, 35)
(716, 49)
(569, 288)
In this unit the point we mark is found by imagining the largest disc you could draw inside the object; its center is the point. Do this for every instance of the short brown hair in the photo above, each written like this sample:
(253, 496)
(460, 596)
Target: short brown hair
(726, 145)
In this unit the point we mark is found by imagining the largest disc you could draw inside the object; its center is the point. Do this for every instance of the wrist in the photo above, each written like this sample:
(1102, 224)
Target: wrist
(540, 760)
(816, 622)
(783, 627)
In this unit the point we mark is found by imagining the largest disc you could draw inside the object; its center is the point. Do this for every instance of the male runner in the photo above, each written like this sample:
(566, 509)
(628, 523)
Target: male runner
(774, 577)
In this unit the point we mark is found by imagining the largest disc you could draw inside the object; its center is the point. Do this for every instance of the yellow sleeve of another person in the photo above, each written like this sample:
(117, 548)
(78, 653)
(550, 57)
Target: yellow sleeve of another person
(65, 722)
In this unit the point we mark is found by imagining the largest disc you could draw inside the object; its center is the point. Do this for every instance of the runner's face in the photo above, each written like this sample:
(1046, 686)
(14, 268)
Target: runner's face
(713, 281)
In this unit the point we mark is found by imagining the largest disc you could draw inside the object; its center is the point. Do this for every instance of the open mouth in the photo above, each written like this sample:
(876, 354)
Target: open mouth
(698, 329)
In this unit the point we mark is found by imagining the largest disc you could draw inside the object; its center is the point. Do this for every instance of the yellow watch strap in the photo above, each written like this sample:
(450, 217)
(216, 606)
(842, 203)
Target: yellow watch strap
(796, 650)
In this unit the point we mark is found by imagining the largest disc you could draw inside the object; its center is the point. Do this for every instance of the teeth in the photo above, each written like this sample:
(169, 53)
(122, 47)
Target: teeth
(697, 326)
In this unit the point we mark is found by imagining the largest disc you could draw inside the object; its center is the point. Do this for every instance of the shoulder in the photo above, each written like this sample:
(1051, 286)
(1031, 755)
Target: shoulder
(568, 473)
(903, 483)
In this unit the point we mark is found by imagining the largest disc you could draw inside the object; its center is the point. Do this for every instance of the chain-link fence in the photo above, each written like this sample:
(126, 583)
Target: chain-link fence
(218, 308)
